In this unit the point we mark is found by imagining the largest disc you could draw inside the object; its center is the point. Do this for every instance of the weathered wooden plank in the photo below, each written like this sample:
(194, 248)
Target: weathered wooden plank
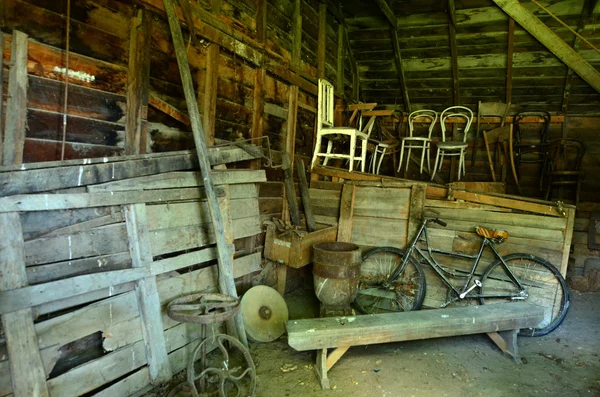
(296, 33)
(508, 219)
(28, 377)
(346, 213)
(210, 93)
(46, 202)
(400, 68)
(166, 216)
(320, 333)
(147, 294)
(30, 179)
(138, 83)
(568, 239)
(174, 180)
(226, 281)
(382, 202)
(377, 232)
(16, 106)
(179, 239)
(548, 235)
(513, 203)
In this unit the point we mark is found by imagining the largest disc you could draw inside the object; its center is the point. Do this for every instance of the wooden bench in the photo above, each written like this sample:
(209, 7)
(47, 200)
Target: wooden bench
(500, 321)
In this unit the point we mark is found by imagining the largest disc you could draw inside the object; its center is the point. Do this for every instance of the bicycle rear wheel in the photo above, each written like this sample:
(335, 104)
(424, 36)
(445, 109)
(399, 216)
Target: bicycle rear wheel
(377, 295)
(544, 284)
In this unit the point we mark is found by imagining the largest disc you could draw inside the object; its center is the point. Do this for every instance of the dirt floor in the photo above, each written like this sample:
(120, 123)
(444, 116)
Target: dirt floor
(564, 363)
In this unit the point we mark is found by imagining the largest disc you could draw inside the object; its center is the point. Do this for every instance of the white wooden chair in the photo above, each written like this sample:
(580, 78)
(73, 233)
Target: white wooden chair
(452, 147)
(421, 143)
(358, 137)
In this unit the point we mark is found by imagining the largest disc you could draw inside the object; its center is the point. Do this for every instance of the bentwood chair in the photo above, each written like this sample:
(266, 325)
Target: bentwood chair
(450, 147)
(422, 143)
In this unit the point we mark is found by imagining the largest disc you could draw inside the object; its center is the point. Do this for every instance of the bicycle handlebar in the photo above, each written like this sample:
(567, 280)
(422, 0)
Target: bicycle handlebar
(438, 221)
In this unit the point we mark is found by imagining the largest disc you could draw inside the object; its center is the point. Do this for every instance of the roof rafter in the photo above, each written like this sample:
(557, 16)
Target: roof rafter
(551, 40)
(389, 14)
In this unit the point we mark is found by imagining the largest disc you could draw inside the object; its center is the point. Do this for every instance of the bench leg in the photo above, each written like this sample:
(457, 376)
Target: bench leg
(325, 362)
(321, 369)
(507, 342)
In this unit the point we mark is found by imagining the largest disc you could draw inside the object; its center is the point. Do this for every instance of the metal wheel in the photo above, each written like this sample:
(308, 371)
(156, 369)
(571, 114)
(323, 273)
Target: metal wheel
(544, 285)
(378, 294)
(233, 373)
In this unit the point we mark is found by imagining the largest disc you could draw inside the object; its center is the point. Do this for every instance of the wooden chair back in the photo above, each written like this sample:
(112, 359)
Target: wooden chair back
(326, 105)
(457, 112)
(430, 116)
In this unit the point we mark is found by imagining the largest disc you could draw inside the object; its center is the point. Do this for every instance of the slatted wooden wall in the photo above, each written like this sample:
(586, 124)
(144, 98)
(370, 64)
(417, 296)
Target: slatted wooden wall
(99, 262)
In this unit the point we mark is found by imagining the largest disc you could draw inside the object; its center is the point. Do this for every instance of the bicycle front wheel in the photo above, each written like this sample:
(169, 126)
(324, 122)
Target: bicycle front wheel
(543, 283)
(378, 294)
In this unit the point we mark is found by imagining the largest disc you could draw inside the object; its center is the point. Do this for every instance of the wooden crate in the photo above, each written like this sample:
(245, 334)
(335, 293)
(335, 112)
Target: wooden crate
(292, 249)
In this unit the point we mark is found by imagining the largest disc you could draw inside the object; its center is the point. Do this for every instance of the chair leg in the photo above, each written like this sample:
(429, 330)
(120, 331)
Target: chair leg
(441, 159)
(407, 161)
(460, 164)
(329, 149)
(381, 160)
(422, 160)
(435, 166)
(363, 155)
(352, 152)
(373, 160)
(316, 153)
(428, 158)
(401, 156)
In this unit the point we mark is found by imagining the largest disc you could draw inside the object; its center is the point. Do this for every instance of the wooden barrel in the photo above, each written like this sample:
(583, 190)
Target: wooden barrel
(336, 272)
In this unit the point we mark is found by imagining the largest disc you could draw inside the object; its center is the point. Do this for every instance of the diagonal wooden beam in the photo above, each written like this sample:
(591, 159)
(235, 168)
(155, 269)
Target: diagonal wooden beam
(389, 14)
(400, 68)
(586, 13)
(387, 11)
(551, 40)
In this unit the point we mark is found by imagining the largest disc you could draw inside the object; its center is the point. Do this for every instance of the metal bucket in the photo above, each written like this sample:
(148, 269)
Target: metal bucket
(336, 272)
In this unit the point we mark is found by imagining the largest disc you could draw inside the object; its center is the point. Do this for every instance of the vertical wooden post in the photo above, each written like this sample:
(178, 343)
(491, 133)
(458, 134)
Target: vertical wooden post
(209, 111)
(400, 68)
(322, 40)
(509, 59)
(138, 83)
(1, 82)
(27, 371)
(210, 93)
(415, 216)
(259, 79)
(455, 71)
(290, 145)
(297, 35)
(147, 294)
(346, 213)
(226, 281)
(16, 105)
(340, 61)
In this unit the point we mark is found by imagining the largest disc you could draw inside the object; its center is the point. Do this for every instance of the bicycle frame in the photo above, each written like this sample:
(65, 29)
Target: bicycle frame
(465, 291)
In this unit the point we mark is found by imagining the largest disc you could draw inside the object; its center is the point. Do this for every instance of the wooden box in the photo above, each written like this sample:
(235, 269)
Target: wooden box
(292, 249)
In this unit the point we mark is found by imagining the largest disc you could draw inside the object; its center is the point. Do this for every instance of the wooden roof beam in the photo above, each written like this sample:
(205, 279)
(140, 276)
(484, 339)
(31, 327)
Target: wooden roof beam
(551, 40)
(391, 17)
(389, 14)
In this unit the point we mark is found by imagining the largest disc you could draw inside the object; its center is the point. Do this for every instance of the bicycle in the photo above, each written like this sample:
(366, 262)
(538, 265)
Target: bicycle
(392, 279)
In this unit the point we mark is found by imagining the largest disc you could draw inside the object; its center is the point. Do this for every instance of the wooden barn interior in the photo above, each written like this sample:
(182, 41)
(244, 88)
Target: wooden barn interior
(196, 197)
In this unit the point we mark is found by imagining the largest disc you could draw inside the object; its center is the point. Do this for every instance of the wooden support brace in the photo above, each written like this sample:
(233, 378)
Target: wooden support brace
(297, 34)
(210, 93)
(321, 369)
(27, 371)
(147, 294)
(321, 45)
